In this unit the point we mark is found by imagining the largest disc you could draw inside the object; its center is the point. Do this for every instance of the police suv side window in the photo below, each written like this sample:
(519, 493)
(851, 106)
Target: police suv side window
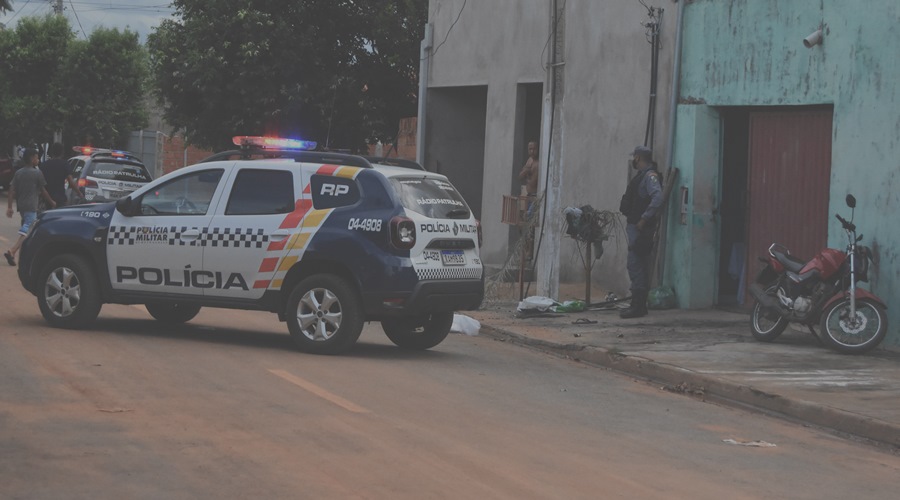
(189, 194)
(76, 166)
(261, 192)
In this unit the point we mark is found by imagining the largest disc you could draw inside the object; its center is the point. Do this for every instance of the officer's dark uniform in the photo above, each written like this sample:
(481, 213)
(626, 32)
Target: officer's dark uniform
(642, 200)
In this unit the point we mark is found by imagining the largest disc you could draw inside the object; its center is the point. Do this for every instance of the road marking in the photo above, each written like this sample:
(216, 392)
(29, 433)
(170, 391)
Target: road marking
(318, 391)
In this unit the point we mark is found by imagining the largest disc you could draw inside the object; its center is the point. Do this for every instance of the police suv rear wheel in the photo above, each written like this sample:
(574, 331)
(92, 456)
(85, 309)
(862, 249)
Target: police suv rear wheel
(172, 313)
(418, 333)
(324, 315)
(69, 294)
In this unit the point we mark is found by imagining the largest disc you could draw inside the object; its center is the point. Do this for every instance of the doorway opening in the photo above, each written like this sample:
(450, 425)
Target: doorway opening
(776, 175)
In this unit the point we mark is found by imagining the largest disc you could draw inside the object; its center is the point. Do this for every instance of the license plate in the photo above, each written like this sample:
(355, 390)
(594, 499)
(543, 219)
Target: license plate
(453, 257)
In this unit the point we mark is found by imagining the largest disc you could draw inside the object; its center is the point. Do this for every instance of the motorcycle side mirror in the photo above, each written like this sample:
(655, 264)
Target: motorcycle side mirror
(851, 201)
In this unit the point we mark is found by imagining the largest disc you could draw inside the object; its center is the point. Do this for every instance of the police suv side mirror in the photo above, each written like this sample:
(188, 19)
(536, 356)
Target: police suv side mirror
(126, 206)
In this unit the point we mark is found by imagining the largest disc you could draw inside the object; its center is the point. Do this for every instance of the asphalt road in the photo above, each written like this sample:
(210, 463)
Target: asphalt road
(224, 407)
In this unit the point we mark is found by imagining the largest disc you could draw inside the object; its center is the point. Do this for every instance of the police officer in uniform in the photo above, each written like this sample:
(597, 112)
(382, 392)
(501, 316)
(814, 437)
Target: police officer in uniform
(640, 205)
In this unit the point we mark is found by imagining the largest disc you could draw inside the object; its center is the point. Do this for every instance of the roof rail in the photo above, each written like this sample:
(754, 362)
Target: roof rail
(296, 155)
(396, 162)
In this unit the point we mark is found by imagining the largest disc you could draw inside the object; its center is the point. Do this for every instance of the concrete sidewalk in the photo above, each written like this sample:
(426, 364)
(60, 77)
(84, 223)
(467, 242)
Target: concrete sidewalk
(711, 354)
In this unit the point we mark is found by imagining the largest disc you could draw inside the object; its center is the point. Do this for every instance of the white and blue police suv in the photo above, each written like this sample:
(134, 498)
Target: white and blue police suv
(326, 241)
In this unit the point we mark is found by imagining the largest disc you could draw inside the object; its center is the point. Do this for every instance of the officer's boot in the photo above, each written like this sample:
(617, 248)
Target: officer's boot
(638, 305)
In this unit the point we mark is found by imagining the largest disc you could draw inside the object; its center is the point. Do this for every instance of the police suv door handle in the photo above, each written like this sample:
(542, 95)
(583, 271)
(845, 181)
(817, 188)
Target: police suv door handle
(280, 235)
(190, 234)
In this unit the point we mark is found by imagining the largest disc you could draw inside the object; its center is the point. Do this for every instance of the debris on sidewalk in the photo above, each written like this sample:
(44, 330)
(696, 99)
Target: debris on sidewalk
(535, 303)
(755, 444)
(569, 306)
(465, 324)
(685, 388)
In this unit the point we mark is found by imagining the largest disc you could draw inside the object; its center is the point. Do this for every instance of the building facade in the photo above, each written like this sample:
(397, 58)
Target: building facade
(781, 108)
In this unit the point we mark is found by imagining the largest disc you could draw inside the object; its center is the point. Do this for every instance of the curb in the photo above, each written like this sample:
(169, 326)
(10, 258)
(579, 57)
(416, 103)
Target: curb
(682, 380)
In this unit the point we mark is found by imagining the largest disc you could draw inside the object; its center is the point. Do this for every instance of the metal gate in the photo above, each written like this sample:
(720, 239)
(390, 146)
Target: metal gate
(789, 180)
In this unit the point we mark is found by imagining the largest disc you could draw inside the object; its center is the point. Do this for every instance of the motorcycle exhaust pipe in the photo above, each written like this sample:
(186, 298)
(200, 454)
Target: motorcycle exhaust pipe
(765, 300)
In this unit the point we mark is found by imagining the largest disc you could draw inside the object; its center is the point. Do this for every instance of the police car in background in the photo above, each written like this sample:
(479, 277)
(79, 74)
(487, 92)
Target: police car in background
(104, 175)
(326, 241)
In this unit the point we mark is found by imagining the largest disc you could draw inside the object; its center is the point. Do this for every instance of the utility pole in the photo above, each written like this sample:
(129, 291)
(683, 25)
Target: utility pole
(548, 254)
(58, 7)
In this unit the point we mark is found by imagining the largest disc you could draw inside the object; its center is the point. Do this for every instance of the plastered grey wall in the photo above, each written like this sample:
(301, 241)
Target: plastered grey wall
(606, 64)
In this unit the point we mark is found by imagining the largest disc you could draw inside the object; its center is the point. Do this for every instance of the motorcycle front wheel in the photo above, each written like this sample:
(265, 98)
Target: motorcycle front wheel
(854, 335)
(766, 325)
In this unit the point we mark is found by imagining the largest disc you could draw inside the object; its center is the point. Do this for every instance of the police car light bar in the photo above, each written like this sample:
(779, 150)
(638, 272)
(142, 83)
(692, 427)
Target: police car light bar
(88, 150)
(249, 141)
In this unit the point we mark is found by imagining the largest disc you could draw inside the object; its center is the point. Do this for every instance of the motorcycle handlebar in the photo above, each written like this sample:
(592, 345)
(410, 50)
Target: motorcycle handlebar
(849, 226)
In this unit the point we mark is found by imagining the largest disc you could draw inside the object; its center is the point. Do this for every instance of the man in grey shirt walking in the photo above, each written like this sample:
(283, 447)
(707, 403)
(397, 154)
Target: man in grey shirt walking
(27, 184)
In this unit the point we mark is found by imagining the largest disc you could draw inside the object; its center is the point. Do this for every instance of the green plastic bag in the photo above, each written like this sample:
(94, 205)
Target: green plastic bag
(569, 306)
(662, 297)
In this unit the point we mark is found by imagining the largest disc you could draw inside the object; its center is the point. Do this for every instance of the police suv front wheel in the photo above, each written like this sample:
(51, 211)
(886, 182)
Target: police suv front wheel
(69, 292)
(324, 315)
(172, 313)
(418, 333)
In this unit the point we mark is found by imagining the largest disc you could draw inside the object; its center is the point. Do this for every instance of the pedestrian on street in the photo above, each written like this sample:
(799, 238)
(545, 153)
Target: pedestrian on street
(57, 174)
(641, 204)
(26, 187)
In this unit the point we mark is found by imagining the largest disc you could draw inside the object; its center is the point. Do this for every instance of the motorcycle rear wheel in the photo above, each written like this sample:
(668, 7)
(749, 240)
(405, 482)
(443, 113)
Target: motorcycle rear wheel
(767, 325)
(849, 336)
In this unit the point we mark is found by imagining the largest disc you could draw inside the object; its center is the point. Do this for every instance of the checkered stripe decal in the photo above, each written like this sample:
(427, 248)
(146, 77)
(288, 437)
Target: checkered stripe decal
(214, 237)
(452, 273)
(234, 238)
(121, 235)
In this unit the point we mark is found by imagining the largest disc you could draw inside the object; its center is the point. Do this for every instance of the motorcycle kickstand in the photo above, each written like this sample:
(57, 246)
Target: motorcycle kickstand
(815, 334)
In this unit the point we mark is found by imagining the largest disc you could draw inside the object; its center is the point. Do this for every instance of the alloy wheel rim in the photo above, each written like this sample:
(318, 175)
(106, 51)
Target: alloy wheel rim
(319, 314)
(62, 292)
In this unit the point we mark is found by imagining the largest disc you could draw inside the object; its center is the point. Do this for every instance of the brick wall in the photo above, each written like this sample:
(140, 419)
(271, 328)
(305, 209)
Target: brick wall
(175, 156)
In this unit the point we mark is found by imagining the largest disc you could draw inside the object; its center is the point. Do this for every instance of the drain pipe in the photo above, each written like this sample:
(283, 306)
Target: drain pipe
(424, 69)
(670, 145)
(676, 80)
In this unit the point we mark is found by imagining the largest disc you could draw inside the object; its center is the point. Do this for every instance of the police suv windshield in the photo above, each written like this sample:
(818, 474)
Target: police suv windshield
(119, 172)
(435, 198)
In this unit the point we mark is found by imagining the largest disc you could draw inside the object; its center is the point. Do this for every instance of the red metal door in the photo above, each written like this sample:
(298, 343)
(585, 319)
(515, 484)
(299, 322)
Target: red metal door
(789, 179)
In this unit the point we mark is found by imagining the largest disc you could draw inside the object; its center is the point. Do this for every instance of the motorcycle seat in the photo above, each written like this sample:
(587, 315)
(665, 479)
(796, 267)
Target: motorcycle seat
(812, 274)
(789, 262)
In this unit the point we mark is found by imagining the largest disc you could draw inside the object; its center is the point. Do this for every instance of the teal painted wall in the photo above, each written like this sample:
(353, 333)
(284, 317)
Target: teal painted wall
(750, 53)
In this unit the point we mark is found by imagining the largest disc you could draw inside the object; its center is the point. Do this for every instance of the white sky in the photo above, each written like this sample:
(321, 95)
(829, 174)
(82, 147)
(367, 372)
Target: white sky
(85, 15)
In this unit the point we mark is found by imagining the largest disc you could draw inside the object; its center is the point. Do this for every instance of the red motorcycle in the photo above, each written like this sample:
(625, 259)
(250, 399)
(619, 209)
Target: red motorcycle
(823, 290)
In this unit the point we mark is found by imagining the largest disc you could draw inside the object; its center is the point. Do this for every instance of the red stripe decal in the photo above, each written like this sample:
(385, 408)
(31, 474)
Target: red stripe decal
(294, 218)
(268, 264)
(261, 284)
(328, 169)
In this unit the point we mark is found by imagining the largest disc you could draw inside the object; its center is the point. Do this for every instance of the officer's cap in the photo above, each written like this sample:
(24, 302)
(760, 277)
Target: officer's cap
(643, 152)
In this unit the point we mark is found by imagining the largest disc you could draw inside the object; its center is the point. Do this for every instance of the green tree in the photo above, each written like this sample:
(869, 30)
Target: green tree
(101, 86)
(29, 58)
(337, 71)
(51, 82)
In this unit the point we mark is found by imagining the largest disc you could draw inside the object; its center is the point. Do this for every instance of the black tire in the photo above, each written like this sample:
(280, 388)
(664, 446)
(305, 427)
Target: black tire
(766, 325)
(844, 336)
(172, 313)
(324, 315)
(418, 333)
(68, 292)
